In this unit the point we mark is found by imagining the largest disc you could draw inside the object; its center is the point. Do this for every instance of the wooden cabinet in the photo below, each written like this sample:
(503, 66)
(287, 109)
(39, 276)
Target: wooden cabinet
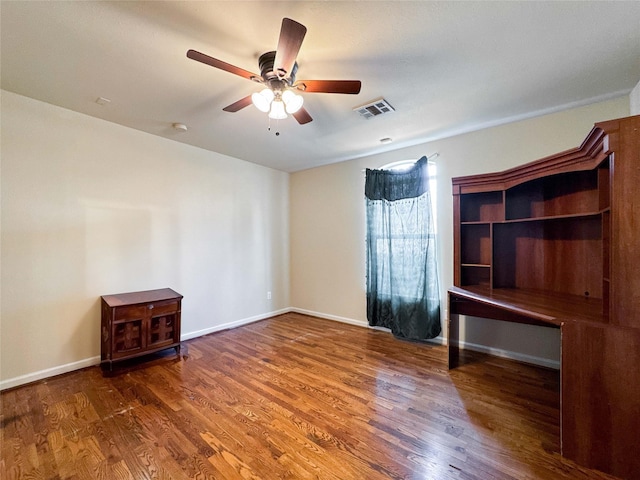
(556, 242)
(139, 323)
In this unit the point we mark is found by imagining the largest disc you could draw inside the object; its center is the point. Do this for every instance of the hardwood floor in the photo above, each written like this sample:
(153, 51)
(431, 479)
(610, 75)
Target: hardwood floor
(291, 397)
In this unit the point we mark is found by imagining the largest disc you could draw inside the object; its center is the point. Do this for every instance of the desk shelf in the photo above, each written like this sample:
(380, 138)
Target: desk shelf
(544, 226)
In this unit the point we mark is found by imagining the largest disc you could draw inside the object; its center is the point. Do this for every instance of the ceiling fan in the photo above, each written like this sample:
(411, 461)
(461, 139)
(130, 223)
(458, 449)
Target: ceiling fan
(278, 74)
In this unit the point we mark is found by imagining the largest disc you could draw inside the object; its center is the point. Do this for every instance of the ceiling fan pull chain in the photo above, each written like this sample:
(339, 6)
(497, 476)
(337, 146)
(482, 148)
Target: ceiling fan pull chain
(269, 127)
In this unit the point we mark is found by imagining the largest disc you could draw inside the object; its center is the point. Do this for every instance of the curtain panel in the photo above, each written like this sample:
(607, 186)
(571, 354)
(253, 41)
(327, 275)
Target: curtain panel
(402, 279)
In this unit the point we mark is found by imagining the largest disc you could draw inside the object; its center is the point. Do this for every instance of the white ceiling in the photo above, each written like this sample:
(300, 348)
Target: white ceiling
(446, 67)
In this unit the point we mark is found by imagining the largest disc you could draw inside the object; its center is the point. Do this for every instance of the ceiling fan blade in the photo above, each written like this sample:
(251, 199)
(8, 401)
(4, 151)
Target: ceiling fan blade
(291, 35)
(227, 67)
(302, 116)
(351, 87)
(239, 105)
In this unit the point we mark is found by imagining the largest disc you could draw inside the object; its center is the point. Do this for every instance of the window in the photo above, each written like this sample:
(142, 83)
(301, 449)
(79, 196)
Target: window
(402, 282)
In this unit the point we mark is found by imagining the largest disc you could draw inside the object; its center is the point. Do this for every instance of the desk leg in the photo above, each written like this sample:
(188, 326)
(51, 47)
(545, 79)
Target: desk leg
(453, 338)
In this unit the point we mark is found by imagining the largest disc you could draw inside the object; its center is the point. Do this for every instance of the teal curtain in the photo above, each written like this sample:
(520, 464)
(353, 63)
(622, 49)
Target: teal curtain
(402, 279)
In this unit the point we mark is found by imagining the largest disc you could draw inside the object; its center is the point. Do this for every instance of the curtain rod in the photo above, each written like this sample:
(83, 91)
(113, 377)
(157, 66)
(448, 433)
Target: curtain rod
(390, 165)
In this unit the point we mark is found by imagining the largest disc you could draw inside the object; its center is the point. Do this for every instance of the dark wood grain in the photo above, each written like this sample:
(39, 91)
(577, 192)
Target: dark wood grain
(137, 323)
(539, 306)
(291, 397)
(136, 298)
(566, 254)
(482, 207)
(348, 87)
(291, 36)
(591, 153)
(476, 245)
(604, 413)
(214, 62)
(625, 221)
(559, 255)
(302, 116)
(239, 105)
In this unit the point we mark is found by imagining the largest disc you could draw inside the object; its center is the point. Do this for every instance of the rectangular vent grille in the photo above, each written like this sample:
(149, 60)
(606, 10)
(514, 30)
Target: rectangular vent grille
(375, 108)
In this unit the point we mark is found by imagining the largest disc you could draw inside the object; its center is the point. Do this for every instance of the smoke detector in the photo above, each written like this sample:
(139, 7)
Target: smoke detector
(375, 108)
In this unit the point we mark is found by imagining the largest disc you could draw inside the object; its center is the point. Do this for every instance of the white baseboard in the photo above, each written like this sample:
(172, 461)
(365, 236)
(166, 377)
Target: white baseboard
(89, 362)
(49, 372)
(234, 324)
(511, 355)
(440, 340)
(359, 323)
(327, 316)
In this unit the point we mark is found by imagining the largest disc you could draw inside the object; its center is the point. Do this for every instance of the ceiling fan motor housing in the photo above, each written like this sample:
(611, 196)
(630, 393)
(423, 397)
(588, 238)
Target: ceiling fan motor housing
(268, 73)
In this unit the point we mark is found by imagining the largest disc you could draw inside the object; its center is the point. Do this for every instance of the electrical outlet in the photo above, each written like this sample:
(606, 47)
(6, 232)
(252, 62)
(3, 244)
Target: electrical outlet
(268, 295)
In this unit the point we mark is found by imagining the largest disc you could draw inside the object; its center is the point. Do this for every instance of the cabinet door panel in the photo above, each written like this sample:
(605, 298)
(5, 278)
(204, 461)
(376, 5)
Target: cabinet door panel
(128, 337)
(162, 329)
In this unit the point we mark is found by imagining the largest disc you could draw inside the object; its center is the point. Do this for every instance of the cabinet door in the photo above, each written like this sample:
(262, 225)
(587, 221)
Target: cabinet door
(163, 325)
(128, 331)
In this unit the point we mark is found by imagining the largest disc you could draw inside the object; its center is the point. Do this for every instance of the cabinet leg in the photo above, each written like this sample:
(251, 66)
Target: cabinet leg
(107, 368)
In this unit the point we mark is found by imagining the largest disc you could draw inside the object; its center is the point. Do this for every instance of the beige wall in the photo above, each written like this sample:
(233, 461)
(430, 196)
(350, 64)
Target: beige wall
(327, 220)
(92, 208)
(634, 100)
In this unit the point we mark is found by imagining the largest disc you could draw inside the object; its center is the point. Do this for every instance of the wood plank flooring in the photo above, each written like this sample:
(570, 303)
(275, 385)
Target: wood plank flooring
(291, 397)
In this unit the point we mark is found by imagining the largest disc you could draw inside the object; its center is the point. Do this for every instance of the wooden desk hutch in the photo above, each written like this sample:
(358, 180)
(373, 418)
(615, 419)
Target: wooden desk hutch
(556, 242)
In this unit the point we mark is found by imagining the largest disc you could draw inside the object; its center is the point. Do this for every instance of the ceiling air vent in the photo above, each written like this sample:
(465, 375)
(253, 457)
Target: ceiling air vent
(375, 108)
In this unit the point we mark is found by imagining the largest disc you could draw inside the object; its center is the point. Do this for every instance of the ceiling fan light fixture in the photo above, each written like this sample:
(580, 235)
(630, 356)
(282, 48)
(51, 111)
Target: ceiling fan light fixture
(278, 69)
(262, 100)
(292, 101)
(277, 111)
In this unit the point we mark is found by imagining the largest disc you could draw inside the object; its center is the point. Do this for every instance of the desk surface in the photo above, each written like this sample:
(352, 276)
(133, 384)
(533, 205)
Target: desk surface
(527, 306)
(600, 378)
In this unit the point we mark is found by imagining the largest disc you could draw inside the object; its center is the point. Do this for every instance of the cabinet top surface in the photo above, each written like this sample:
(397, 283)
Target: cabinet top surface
(132, 298)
